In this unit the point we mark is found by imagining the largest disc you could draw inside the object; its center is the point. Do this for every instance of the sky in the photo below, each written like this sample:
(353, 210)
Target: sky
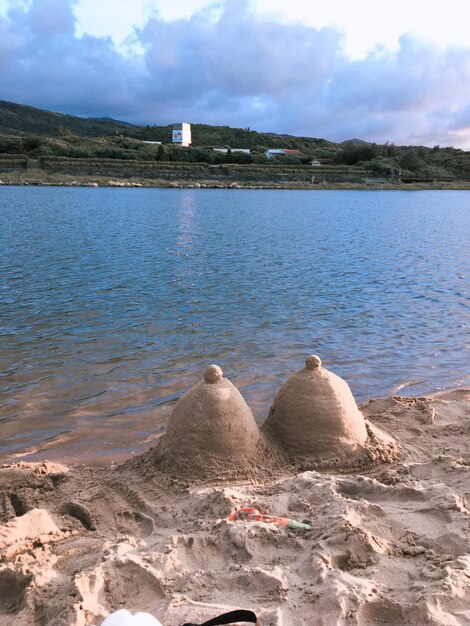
(380, 71)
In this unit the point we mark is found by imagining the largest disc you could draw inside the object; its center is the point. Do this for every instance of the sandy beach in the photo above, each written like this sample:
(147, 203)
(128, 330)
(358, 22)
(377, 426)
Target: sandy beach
(389, 542)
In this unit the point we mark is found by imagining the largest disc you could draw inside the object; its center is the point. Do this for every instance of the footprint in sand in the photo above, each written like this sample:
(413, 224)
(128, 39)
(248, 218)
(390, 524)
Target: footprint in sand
(79, 512)
(13, 586)
(136, 523)
(147, 596)
(382, 612)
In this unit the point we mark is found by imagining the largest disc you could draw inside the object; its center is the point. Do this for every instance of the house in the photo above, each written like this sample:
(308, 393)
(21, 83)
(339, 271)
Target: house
(269, 154)
(232, 150)
(181, 134)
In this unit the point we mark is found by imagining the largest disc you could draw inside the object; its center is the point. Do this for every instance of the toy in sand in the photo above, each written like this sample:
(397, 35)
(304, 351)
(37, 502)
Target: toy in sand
(315, 415)
(212, 418)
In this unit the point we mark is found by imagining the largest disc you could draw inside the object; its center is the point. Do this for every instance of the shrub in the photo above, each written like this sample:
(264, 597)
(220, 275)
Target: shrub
(410, 160)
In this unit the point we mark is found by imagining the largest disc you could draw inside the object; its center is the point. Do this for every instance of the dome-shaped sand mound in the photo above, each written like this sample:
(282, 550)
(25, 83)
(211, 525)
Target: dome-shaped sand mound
(314, 424)
(315, 415)
(212, 418)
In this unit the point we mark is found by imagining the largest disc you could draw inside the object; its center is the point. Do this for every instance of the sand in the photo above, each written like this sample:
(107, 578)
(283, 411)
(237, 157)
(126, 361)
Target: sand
(389, 542)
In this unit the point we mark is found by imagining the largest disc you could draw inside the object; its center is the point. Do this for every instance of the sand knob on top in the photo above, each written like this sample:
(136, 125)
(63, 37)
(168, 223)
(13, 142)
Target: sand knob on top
(211, 418)
(315, 415)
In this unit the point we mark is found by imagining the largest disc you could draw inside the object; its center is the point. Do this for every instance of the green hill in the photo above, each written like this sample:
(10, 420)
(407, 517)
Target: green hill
(28, 120)
(26, 131)
(20, 118)
(204, 135)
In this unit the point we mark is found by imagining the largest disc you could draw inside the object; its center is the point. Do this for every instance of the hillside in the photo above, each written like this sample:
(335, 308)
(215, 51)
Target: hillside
(204, 135)
(30, 132)
(20, 118)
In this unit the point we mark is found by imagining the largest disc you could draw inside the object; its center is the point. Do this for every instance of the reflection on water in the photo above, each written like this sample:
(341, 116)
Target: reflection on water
(186, 223)
(113, 301)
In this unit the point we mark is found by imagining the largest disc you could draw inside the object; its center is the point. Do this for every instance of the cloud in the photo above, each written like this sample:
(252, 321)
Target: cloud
(227, 64)
(43, 63)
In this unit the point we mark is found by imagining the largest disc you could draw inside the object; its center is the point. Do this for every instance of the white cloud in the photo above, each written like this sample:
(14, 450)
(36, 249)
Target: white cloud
(368, 23)
(364, 23)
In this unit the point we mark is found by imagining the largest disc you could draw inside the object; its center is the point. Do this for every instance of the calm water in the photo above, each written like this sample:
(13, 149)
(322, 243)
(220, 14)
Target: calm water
(112, 302)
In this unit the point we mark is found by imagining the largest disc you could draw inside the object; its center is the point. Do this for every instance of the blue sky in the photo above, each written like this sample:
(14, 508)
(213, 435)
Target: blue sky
(380, 71)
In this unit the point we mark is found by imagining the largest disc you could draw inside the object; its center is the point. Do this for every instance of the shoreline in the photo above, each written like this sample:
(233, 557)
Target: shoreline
(112, 453)
(63, 180)
(389, 542)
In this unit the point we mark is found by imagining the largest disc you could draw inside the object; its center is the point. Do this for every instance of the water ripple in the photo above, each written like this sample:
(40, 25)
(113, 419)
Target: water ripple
(112, 304)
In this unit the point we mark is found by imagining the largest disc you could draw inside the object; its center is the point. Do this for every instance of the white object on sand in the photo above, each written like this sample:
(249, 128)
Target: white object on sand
(124, 618)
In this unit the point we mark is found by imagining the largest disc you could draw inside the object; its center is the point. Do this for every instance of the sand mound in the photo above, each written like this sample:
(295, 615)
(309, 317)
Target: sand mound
(211, 418)
(314, 424)
(315, 415)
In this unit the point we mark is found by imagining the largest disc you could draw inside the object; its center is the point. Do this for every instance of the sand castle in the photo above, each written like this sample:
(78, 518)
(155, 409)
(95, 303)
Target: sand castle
(212, 418)
(315, 415)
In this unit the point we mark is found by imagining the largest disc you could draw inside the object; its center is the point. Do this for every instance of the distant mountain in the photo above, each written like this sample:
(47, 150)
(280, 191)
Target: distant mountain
(354, 142)
(107, 119)
(21, 118)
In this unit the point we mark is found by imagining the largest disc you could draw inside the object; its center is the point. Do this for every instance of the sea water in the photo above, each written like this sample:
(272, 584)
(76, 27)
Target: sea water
(113, 301)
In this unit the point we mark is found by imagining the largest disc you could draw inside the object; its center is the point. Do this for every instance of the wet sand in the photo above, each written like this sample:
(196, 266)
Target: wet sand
(389, 542)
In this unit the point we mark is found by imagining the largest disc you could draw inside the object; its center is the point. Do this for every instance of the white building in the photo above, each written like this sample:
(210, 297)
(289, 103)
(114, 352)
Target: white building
(269, 154)
(181, 134)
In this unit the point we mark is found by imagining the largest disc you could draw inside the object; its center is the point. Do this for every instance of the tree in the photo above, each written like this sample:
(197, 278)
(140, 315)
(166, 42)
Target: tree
(352, 154)
(410, 160)
(64, 132)
(160, 153)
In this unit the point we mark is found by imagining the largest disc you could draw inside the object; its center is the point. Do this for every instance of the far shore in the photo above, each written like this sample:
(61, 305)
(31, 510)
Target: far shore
(40, 179)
